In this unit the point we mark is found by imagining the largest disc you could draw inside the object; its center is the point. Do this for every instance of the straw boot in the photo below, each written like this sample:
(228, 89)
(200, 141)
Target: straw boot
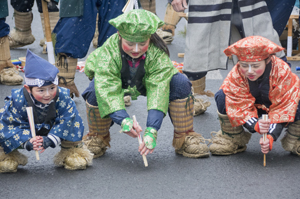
(54, 17)
(96, 35)
(21, 35)
(291, 140)
(9, 75)
(186, 141)
(98, 138)
(73, 156)
(199, 87)
(9, 162)
(149, 5)
(229, 140)
(67, 69)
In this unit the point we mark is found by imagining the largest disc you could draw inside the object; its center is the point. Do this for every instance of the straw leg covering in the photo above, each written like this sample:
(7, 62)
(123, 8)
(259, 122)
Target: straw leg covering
(171, 20)
(21, 35)
(199, 87)
(73, 156)
(291, 140)
(229, 140)
(9, 75)
(54, 17)
(98, 138)
(186, 141)
(9, 162)
(67, 69)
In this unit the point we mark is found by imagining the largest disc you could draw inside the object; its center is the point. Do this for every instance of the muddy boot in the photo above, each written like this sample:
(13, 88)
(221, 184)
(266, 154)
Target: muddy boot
(98, 138)
(186, 141)
(229, 140)
(10, 162)
(73, 156)
(67, 69)
(54, 17)
(127, 100)
(21, 35)
(198, 87)
(96, 35)
(291, 140)
(149, 5)
(9, 75)
(200, 105)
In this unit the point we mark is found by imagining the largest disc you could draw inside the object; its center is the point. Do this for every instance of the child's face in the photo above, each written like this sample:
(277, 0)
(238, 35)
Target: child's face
(134, 50)
(43, 94)
(252, 70)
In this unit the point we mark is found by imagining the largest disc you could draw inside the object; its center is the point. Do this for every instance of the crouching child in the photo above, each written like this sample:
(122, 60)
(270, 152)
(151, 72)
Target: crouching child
(56, 119)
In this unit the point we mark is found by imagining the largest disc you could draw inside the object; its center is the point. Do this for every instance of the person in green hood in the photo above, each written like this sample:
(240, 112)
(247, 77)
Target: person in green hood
(136, 61)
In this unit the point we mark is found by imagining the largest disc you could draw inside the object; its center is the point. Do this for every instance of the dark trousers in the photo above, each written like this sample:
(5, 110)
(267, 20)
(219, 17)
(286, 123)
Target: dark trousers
(180, 88)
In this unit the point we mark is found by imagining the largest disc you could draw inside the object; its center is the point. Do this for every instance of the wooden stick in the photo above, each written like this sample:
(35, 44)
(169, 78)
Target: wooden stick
(48, 42)
(180, 55)
(32, 127)
(265, 118)
(140, 142)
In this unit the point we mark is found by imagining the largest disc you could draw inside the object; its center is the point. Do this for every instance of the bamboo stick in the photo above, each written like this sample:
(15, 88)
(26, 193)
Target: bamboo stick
(32, 127)
(265, 118)
(140, 142)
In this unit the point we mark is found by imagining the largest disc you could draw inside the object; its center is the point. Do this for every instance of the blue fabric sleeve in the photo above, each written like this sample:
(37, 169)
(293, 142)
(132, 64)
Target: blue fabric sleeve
(119, 116)
(155, 118)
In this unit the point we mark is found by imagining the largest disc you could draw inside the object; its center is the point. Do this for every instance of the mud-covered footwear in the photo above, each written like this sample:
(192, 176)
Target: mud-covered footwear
(229, 140)
(10, 162)
(73, 156)
(9, 75)
(186, 141)
(21, 35)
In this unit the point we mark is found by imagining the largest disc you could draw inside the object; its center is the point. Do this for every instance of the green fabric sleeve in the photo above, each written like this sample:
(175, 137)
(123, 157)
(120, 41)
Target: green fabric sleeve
(159, 72)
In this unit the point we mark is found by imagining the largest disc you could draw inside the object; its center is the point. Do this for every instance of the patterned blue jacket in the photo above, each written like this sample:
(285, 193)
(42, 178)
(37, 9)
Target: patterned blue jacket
(14, 124)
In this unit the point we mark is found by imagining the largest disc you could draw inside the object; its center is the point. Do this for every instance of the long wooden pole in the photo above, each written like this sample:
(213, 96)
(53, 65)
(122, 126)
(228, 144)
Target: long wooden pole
(32, 127)
(140, 142)
(49, 44)
(265, 118)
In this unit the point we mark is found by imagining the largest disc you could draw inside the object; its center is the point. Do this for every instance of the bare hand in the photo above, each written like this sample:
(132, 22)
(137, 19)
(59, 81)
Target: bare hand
(264, 126)
(37, 143)
(144, 150)
(179, 5)
(265, 145)
(135, 131)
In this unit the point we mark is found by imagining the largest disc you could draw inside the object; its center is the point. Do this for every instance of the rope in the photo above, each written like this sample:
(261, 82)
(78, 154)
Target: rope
(65, 64)
(187, 103)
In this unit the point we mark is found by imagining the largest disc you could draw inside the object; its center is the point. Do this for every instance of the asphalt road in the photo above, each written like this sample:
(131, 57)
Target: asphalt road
(120, 173)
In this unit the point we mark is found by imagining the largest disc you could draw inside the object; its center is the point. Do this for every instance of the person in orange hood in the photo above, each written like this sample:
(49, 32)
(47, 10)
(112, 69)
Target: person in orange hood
(260, 83)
